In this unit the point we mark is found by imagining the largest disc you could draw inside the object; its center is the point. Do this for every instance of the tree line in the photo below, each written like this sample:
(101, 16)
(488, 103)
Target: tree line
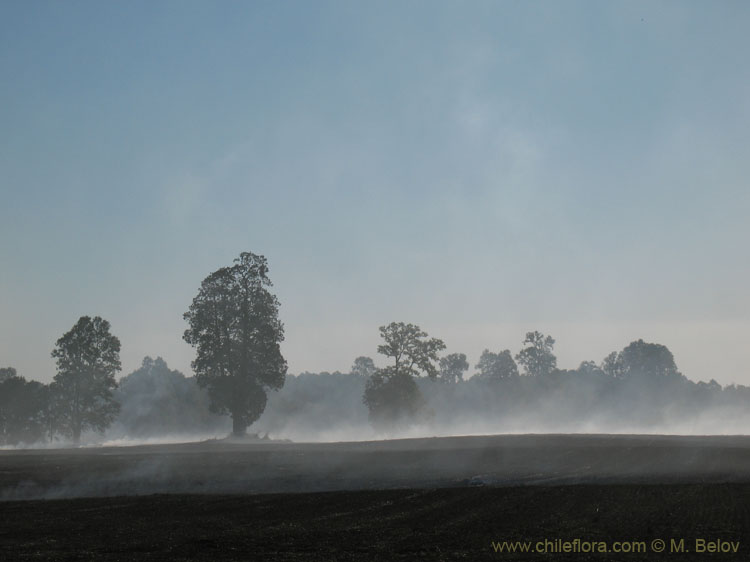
(395, 396)
(233, 324)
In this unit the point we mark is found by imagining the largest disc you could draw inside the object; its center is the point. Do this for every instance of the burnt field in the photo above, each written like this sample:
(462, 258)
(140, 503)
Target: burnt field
(438, 499)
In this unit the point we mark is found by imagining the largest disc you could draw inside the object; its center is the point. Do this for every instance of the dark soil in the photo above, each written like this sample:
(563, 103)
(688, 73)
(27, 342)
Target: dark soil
(427, 499)
(427, 524)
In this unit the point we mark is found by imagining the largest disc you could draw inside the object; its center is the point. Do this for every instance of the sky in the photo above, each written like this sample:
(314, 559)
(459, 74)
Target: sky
(481, 169)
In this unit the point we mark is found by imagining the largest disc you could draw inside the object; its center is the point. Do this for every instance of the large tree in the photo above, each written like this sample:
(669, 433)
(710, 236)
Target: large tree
(88, 356)
(234, 326)
(641, 359)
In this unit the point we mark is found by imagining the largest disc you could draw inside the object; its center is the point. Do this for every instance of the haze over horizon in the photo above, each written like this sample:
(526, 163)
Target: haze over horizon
(480, 169)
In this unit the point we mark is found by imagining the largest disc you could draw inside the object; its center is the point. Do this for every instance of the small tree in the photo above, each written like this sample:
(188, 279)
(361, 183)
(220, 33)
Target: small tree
(234, 326)
(88, 356)
(392, 398)
(537, 357)
(363, 367)
(496, 366)
(391, 395)
(453, 367)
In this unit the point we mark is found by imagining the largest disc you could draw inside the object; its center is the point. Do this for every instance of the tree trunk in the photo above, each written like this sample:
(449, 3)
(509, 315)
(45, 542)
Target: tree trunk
(239, 426)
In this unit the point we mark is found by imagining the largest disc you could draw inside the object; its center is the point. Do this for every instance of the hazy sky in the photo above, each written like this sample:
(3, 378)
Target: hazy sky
(478, 168)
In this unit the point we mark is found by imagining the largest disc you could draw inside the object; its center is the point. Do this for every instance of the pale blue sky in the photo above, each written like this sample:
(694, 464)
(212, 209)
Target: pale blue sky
(478, 168)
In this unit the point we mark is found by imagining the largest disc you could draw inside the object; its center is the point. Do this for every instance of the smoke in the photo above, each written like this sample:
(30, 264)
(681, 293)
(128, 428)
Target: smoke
(328, 407)
(568, 427)
(156, 401)
(160, 406)
(220, 467)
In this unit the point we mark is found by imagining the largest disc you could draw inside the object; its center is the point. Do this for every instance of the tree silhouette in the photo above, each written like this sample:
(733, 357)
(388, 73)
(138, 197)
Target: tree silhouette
(7, 373)
(363, 367)
(537, 357)
(413, 353)
(392, 398)
(612, 365)
(391, 395)
(453, 367)
(235, 328)
(23, 406)
(88, 356)
(496, 366)
(641, 359)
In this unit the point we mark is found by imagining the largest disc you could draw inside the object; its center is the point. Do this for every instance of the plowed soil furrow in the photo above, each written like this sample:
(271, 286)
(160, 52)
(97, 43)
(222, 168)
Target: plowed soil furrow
(439, 524)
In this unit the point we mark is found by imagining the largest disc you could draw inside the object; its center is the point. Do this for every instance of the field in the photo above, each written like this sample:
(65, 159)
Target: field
(432, 499)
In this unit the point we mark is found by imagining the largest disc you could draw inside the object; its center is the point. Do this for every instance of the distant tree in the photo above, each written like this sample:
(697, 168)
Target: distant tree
(88, 356)
(363, 367)
(22, 409)
(9, 380)
(537, 357)
(612, 365)
(392, 398)
(234, 326)
(639, 358)
(7, 373)
(453, 367)
(496, 366)
(411, 350)
(155, 400)
(589, 368)
(391, 395)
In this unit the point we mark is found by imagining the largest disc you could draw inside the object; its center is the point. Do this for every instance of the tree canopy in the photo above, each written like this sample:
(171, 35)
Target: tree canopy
(234, 326)
(536, 357)
(453, 366)
(363, 367)
(639, 358)
(412, 351)
(496, 366)
(7, 373)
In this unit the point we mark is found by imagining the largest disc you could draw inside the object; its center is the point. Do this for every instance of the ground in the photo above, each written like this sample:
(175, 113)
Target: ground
(431, 499)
